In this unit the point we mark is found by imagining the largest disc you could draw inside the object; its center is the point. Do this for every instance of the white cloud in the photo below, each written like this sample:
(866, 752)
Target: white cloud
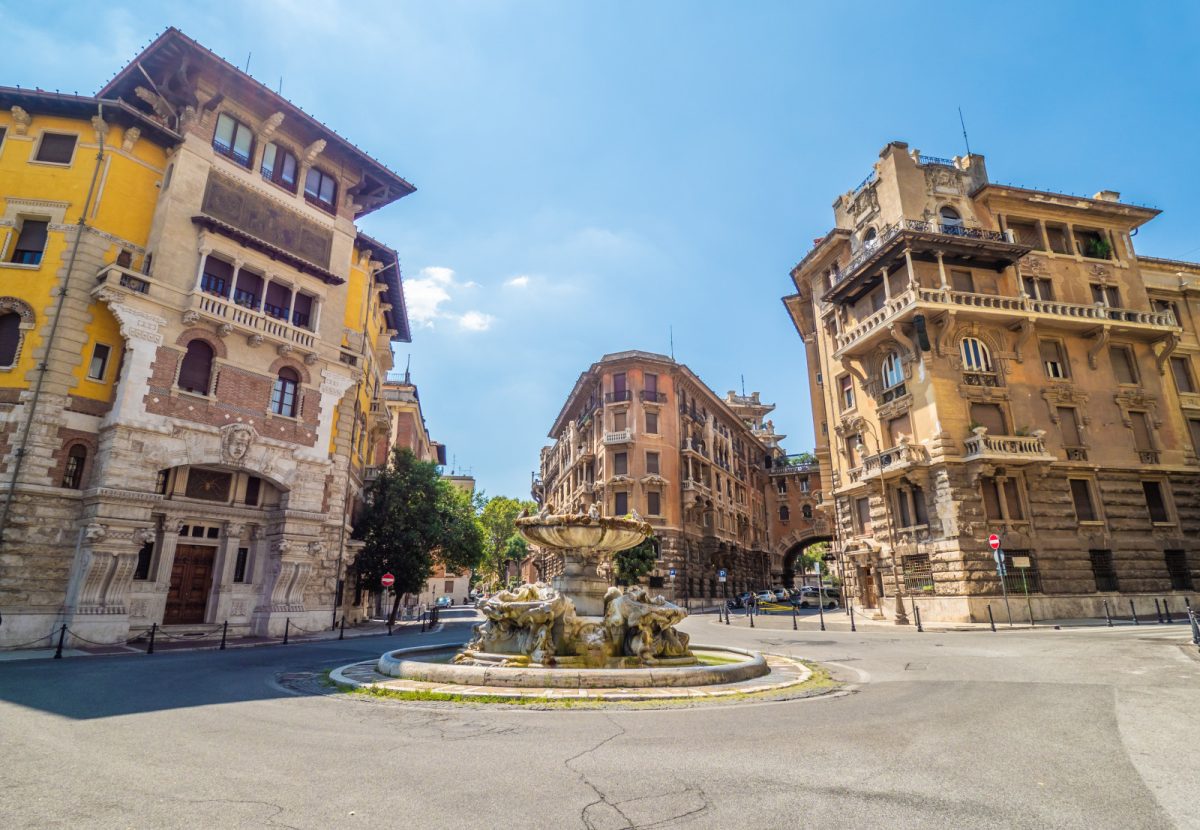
(519, 281)
(475, 321)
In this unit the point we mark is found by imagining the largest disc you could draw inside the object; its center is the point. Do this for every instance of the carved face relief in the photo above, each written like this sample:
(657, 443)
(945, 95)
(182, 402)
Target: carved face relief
(235, 441)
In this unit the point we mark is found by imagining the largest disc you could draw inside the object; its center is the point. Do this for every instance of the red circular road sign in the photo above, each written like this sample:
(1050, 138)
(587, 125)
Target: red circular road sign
(994, 541)
(387, 580)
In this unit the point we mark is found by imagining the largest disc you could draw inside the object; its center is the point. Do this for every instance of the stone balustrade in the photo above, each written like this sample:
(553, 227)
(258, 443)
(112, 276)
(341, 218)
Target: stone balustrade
(248, 319)
(1006, 447)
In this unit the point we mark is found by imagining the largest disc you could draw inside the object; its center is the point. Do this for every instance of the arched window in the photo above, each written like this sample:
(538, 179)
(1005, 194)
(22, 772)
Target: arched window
(892, 371)
(73, 472)
(951, 220)
(283, 396)
(806, 511)
(195, 373)
(784, 513)
(975, 355)
(870, 238)
(10, 337)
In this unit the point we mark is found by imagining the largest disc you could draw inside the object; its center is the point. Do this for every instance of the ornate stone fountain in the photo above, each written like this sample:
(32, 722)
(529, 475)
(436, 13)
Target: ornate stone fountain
(578, 620)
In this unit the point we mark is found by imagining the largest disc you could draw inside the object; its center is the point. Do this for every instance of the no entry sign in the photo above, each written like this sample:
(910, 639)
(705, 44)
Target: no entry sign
(387, 580)
(994, 541)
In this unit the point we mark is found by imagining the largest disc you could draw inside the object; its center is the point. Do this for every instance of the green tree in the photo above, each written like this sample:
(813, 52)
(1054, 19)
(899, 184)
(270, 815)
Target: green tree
(632, 564)
(411, 515)
(498, 518)
(806, 562)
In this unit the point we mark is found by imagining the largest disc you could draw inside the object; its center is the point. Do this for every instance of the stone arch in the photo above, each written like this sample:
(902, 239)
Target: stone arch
(789, 548)
(295, 365)
(27, 321)
(196, 333)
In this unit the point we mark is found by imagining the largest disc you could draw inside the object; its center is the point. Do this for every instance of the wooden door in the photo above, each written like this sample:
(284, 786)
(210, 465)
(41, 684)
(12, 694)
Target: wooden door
(867, 587)
(191, 581)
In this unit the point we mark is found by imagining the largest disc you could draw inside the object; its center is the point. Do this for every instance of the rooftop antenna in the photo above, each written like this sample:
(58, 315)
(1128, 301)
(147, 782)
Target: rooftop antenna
(671, 335)
(743, 386)
(407, 365)
(964, 126)
(247, 70)
(280, 91)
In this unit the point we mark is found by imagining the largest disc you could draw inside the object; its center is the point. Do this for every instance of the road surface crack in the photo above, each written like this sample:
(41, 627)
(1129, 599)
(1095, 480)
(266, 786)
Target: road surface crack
(601, 796)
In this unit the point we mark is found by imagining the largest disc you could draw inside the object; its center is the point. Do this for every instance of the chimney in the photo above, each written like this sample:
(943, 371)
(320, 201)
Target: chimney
(1108, 196)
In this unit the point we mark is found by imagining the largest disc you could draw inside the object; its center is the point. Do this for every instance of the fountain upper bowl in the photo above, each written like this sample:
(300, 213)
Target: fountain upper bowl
(607, 534)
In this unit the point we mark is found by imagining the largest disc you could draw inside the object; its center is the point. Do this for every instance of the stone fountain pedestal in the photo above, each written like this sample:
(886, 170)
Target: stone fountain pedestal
(582, 583)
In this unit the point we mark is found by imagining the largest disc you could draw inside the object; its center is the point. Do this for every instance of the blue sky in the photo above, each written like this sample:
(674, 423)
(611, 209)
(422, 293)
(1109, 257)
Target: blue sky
(591, 175)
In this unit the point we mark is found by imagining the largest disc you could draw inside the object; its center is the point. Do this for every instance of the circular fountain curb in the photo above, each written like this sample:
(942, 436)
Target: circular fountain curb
(772, 673)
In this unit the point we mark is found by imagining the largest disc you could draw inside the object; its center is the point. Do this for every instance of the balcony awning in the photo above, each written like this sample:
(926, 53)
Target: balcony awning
(262, 246)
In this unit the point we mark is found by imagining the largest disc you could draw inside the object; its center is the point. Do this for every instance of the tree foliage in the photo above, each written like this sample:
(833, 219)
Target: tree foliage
(632, 564)
(498, 518)
(413, 518)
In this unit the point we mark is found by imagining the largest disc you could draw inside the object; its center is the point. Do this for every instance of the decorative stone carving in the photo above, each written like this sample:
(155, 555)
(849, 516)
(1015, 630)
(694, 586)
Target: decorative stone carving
(316, 548)
(254, 340)
(285, 349)
(267, 131)
(95, 532)
(224, 330)
(101, 128)
(190, 318)
(130, 139)
(144, 536)
(939, 179)
(161, 108)
(236, 440)
(233, 530)
(311, 359)
(644, 627)
(281, 546)
(309, 156)
(21, 121)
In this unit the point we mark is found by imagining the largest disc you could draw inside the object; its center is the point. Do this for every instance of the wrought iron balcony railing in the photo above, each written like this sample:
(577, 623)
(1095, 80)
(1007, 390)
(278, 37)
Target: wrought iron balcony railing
(889, 232)
(619, 396)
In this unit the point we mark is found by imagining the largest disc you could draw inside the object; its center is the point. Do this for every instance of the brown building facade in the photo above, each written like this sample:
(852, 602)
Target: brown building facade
(992, 359)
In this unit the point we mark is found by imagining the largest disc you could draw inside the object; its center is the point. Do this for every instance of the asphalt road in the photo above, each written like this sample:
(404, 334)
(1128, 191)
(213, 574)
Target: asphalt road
(1075, 728)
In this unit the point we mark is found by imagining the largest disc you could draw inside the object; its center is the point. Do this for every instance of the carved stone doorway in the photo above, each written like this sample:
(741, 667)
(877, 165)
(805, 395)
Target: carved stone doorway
(191, 583)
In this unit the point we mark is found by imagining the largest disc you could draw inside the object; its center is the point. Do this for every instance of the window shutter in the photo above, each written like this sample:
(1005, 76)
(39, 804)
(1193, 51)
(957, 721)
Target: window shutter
(1069, 426)
(33, 235)
(1122, 363)
(1141, 432)
(10, 338)
(56, 148)
(1081, 494)
(1183, 375)
(195, 373)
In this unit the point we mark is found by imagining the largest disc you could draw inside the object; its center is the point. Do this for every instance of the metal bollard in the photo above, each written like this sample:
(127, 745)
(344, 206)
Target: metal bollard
(1195, 627)
(287, 628)
(794, 626)
(224, 634)
(727, 613)
(917, 613)
(1158, 610)
(1167, 611)
(752, 616)
(1107, 614)
(153, 631)
(342, 629)
(422, 622)
(853, 627)
(62, 634)
(991, 619)
(1133, 611)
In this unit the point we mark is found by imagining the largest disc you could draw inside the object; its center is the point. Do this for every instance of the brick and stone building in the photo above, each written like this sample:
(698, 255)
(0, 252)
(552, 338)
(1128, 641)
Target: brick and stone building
(193, 334)
(642, 433)
(986, 359)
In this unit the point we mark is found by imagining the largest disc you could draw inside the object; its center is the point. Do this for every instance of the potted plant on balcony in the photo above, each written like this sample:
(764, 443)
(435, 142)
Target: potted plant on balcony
(1098, 248)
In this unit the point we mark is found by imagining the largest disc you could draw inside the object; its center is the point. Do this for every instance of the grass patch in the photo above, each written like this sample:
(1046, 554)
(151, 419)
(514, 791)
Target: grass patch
(706, 659)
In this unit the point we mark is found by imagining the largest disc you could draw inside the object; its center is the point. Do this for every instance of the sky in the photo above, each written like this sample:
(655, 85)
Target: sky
(603, 176)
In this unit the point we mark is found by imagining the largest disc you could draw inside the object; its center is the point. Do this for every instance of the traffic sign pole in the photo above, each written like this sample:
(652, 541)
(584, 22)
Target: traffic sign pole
(999, 556)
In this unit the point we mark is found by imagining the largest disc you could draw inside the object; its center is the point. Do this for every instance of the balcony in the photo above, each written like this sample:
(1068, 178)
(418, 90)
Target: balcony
(624, 436)
(123, 279)
(620, 396)
(974, 247)
(1010, 449)
(892, 461)
(223, 311)
(1010, 311)
(694, 445)
(647, 396)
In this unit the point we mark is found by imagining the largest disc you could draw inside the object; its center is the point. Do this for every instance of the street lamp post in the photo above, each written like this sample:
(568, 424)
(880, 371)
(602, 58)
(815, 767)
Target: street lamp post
(901, 615)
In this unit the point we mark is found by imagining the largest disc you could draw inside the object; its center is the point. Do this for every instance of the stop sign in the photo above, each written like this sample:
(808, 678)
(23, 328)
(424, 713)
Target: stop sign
(387, 580)
(994, 541)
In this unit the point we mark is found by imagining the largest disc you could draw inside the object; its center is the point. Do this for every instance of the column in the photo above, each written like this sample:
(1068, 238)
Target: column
(945, 285)
(237, 269)
(204, 252)
(887, 288)
(1045, 236)
(1072, 248)
(219, 601)
(908, 263)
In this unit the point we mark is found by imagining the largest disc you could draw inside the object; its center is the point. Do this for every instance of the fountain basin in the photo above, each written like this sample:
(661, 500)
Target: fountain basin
(408, 664)
(595, 535)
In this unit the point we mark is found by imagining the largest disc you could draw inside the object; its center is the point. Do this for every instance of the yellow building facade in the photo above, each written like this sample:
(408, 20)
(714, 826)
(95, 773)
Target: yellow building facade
(986, 359)
(193, 339)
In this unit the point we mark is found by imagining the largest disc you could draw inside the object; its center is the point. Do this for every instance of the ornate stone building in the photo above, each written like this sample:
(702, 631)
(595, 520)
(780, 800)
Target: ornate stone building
(992, 359)
(640, 432)
(193, 334)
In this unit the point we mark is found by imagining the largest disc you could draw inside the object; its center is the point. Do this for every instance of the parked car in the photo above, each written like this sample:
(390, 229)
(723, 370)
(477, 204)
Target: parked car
(806, 597)
(781, 594)
(766, 596)
(445, 602)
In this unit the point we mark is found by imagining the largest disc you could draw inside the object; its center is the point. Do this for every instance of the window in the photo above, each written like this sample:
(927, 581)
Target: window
(233, 139)
(870, 238)
(1124, 364)
(1026, 233)
(239, 564)
(99, 365)
(1093, 244)
(620, 463)
(449, 586)
(1106, 295)
(302, 311)
(892, 371)
(1081, 495)
(781, 486)
(620, 504)
(650, 384)
(990, 416)
(56, 148)
(1068, 425)
(862, 516)
(975, 355)
(1178, 570)
(278, 301)
(283, 396)
(1142, 440)
(161, 481)
(31, 242)
(1194, 428)
(217, 278)
(951, 220)
(195, 371)
(910, 506)
(962, 281)
(321, 189)
(1103, 570)
(806, 511)
(1002, 499)
(1155, 502)
(620, 421)
(279, 166)
(1167, 305)
(652, 462)
(209, 485)
(73, 472)
(253, 488)
(1038, 288)
(145, 554)
(846, 385)
(248, 289)
(1181, 369)
(1053, 359)
(10, 337)
(784, 513)
(918, 573)
(651, 423)
(653, 503)
(1057, 234)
